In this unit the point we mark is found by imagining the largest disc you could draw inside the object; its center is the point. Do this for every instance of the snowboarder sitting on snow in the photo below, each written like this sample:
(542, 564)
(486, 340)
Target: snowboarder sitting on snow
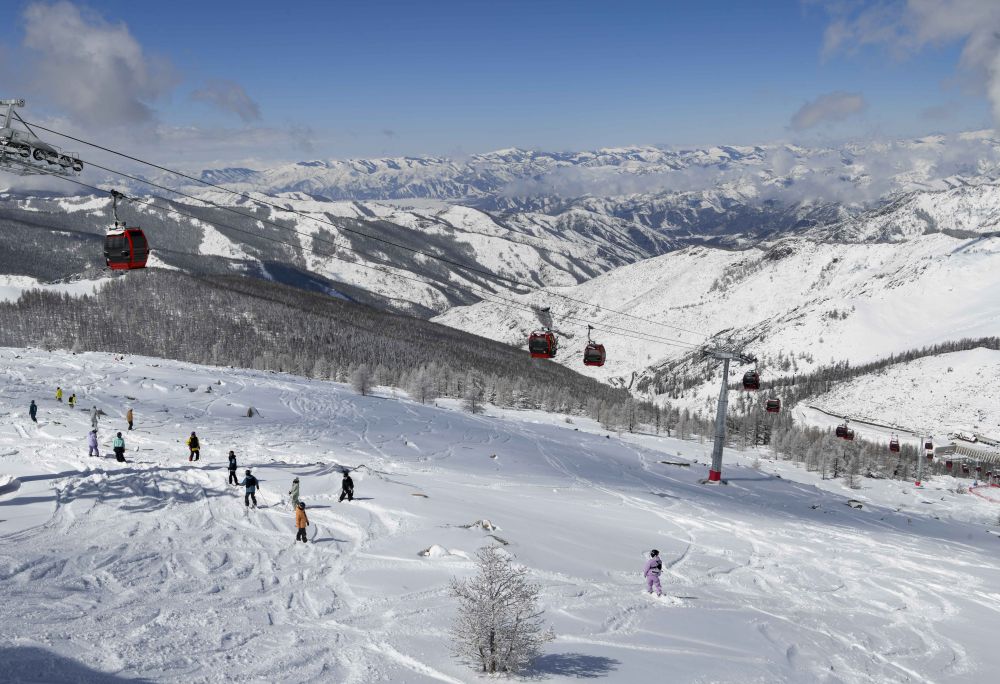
(33, 411)
(294, 493)
(119, 446)
(347, 487)
(250, 482)
(59, 394)
(301, 522)
(232, 470)
(654, 566)
(195, 447)
(92, 449)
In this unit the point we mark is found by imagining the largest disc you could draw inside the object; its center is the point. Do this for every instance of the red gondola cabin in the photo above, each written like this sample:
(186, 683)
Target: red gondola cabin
(845, 432)
(594, 354)
(542, 345)
(894, 445)
(773, 405)
(751, 380)
(126, 249)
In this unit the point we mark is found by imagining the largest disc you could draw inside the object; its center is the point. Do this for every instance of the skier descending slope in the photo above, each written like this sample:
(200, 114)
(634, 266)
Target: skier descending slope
(119, 446)
(654, 566)
(252, 485)
(301, 522)
(195, 447)
(232, 469)
(347, 487)
(33, 411)
(294, 493)
(129, 418)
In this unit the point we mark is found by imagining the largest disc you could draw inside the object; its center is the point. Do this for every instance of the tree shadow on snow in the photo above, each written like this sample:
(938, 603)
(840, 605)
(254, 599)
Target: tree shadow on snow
(30, 664)
(579, 665)
(135, 490)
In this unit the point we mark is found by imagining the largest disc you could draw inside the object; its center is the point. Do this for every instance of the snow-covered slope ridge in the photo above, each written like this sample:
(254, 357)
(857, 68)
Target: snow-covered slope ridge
(856, 301)
(948, 393)
(155, 569)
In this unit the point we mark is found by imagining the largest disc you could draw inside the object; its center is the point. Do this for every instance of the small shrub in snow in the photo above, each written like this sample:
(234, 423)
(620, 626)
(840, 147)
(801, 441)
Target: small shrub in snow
(499, 624)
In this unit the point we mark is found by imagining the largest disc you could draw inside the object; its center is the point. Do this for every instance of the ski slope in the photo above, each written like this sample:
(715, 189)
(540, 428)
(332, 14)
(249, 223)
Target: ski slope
(154, 569)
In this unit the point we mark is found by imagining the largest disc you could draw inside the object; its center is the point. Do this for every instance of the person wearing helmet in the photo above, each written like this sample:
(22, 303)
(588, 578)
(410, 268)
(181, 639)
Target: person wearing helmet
(301, 522)
(232, 469)
(252, 485)
(194, 446)
(654, 566)
(294, 493)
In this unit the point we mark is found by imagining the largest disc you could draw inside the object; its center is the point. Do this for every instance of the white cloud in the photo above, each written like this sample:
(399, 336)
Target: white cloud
(229, 97)
(91, 69)
(828, 108)
(906, 27)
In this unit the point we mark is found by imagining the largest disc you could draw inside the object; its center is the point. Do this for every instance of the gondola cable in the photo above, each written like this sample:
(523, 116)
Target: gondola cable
(646, 337)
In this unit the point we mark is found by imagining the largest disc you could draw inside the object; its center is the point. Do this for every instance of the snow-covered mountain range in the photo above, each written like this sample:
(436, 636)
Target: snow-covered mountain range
(815, 254)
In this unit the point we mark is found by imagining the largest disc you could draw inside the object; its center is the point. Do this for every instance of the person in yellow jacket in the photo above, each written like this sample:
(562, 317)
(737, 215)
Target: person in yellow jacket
(195, 447)
(301, 522)
(128, 418)
(59, 394)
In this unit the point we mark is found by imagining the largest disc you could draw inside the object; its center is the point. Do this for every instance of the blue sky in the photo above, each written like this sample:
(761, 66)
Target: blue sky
(339, 79)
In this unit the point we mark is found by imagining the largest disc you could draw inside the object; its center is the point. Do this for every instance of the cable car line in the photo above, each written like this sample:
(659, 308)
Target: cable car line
(625, 332)
(273, 205)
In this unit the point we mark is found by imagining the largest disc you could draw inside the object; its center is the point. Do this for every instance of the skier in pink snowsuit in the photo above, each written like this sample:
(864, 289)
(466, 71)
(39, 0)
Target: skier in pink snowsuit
(654, 566)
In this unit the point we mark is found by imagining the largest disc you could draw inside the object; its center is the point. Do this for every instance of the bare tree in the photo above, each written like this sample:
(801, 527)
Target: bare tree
(499, 625)
(422, 386)
(472, 399)
(361, 380)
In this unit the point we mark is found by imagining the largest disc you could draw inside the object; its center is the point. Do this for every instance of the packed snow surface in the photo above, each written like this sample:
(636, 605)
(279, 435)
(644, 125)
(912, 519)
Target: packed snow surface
(155, 569)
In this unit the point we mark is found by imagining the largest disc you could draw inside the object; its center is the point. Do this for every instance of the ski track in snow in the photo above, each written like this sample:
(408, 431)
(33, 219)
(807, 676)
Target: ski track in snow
(155, 569)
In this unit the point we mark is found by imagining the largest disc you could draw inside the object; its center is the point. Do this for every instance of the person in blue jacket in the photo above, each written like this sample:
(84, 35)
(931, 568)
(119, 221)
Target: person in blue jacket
(119, 447)
(252, 485)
